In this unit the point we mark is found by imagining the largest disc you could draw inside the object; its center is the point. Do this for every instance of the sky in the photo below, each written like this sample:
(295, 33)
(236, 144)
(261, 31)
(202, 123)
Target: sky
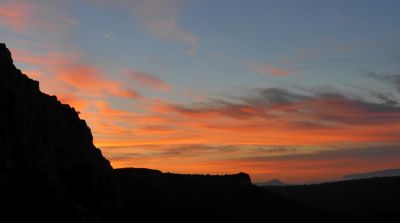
(303, 91)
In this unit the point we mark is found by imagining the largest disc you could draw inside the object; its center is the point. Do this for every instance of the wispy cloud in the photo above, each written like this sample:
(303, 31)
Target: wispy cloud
(36, 18)
(68, 72)
(15, 15)
(289, 163)
(147, 80)
(268, 69)
(108, 36)
(246, 134)
(393, 79)
(89, 78)
(158, 64)
(161, 19)
(328, 106)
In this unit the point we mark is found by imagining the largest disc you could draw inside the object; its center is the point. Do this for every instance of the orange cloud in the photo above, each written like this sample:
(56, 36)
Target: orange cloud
(35, 18)
(75, 101)
(291, 136)
(295, 166)
(34, 74)
(69, 73)
(288, 120)
(91, 79)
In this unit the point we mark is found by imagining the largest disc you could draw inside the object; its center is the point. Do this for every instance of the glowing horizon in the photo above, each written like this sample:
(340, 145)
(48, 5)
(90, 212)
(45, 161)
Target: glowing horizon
(311, 94)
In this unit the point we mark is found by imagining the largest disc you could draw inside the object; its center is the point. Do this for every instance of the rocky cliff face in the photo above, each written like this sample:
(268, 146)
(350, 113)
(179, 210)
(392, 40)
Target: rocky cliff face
(47, 155)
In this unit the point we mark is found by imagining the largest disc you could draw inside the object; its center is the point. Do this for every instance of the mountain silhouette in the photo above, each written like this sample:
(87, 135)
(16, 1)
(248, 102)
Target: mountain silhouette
(379, 173)
(274, 182)
(366, 200)
(50, 171)
(207, 198)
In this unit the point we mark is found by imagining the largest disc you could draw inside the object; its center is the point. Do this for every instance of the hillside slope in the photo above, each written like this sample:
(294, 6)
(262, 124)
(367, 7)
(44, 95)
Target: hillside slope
(380, 173)
(369, 200)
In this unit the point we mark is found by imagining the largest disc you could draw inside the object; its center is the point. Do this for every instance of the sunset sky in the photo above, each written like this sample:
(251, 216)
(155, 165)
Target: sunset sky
(297, 90)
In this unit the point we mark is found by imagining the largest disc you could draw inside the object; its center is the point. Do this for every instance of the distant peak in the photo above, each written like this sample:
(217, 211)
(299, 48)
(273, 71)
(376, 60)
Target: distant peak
(274, 182)
(5, 56)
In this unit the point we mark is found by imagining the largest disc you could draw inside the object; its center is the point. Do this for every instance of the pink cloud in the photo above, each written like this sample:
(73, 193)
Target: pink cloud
(67, 71)
(16, 15)
(91, 79)
(37, 18)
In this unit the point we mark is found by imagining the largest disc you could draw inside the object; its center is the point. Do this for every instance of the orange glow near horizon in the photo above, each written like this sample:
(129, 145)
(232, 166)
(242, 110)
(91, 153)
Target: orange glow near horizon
(232, 135)
(151, 136)
(141, 119)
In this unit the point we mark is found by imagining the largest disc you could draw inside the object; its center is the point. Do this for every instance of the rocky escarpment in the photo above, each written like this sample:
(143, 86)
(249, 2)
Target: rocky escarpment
(47, 156)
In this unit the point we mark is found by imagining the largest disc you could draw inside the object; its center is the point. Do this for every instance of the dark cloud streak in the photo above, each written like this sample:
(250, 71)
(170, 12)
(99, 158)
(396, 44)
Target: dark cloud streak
(310, 110)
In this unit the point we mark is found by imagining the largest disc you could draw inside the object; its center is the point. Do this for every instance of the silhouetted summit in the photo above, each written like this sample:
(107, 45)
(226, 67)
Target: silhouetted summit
(47, 156)
(5, 56)
(274, 182)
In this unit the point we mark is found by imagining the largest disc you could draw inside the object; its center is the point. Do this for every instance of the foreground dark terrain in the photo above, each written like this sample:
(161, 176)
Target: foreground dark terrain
(368, 200)
(51, 171)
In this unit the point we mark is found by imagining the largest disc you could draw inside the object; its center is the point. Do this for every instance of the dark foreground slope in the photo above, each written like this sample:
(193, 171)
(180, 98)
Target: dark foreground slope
(47, 157)
(368, 200)
(50, 171)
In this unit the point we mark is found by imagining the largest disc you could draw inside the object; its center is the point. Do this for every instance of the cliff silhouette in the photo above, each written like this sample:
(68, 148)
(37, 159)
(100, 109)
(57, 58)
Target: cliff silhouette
(47, 156)
(50, 171)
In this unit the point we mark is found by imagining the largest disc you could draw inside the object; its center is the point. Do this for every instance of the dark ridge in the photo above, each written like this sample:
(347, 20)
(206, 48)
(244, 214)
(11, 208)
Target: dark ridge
(368, 200)
(380, 173)
(206, 198)
(155, 176)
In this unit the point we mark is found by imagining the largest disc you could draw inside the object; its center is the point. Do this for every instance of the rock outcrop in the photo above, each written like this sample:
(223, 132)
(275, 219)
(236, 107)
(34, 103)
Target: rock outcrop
(47, 156)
